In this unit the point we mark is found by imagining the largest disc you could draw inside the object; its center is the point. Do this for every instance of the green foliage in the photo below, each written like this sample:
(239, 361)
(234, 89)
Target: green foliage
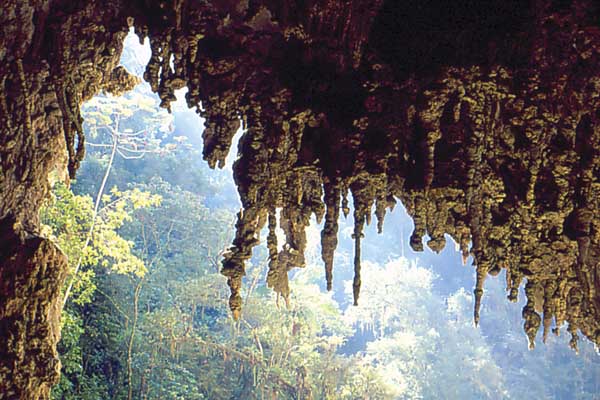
(403, 342)
(68, 220)
(118, 208)
(71, 331)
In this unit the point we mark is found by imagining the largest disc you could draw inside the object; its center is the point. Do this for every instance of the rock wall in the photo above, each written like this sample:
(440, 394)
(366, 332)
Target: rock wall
(32, 272)
(481, 118)
(53, 56)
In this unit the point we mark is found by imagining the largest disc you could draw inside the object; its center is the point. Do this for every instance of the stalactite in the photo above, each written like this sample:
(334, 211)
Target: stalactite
(245, 239)
(471, 140)
(532, 318)
(277, 278)
(330, 231)
(550, 289)
(357, 235)
(345, 208)
(419, 219)
(480, 279)
(73, 102)
(572, 329)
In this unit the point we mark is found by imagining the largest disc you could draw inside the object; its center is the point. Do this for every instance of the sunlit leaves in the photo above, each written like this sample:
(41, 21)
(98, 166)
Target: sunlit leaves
(68, 219)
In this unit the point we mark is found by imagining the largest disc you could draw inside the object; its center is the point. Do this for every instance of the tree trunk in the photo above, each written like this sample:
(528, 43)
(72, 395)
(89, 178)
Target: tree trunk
(136, 297)
(90, 232)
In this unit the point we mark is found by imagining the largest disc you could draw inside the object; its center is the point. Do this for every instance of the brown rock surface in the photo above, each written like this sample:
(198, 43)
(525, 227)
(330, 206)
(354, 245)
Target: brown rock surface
(480, 117)
(32, 271)
(53, 56)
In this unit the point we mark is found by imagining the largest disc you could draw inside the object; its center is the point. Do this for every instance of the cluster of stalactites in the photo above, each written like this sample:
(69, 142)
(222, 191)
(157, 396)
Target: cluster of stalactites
(479, 154)
(467, 214)
(293, 218)
(84, 62)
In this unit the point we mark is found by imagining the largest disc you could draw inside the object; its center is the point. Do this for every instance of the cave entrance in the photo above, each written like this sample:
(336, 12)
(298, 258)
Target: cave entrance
(146, 313)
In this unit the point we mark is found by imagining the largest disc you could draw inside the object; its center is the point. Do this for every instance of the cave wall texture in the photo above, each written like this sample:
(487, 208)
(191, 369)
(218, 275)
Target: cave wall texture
(481, 117)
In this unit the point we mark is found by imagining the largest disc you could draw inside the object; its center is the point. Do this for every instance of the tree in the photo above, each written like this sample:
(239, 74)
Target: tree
(131, 124)
(67, 220)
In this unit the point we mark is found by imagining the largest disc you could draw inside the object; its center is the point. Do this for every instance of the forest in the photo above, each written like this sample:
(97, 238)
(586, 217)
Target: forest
(145, 312)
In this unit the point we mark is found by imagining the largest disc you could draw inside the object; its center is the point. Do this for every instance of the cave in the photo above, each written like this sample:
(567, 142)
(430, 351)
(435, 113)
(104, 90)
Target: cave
(480, 117)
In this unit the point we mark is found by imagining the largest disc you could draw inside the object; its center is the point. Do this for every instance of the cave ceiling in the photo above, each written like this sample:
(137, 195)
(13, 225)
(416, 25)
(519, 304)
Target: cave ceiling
(480, 117)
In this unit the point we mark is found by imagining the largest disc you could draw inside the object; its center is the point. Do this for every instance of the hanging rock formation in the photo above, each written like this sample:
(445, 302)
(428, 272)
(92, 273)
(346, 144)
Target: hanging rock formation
(480, 117)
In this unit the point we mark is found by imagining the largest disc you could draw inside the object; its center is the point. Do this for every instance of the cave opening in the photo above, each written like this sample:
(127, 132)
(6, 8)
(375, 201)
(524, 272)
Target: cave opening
(177, 280)
(481, 125)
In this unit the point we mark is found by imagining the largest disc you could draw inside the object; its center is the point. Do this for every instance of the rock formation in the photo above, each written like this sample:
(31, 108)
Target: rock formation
(53, 56)
(480, 117)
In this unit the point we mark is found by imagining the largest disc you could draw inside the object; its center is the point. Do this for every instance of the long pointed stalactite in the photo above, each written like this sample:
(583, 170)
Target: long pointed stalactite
(329, 233)
(482, 123)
